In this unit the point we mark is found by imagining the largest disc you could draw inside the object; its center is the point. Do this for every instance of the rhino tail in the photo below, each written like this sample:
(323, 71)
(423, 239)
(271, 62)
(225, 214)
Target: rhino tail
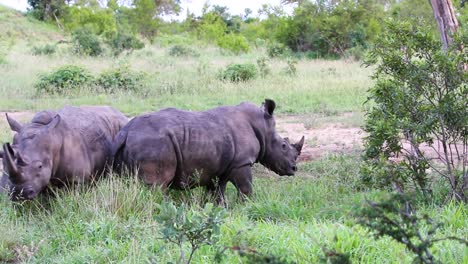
(117, 148)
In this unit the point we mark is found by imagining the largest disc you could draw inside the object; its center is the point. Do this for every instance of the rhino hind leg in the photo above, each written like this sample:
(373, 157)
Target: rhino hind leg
(156, 173)
(242, 180)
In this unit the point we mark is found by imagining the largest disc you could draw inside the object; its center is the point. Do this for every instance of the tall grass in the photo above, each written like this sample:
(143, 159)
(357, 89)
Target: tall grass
(296, 217)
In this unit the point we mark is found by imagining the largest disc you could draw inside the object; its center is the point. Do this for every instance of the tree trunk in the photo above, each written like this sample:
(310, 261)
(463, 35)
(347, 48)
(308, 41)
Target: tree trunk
(447, 22)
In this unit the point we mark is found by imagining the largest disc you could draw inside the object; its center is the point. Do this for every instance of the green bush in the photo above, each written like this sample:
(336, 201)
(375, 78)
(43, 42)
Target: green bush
(65, 78)
(239, 72)
(86, 43)
(182, 51)
(234, 43)
(121, 78)
(275, 50)
(122, 42)
(47, 49)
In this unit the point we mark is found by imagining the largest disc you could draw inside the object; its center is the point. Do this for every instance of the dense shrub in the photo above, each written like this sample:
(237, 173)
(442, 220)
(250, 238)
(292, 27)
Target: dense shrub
(65, 78)
(234, 43)
(182, 51)
(47, 49)
(121, 78)
(86, 43)
(122, 42)
(418, 100)
(239, 72)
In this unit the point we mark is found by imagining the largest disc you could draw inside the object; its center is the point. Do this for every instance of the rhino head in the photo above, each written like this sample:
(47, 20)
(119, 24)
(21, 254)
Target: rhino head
(280, 155)
(28, 163)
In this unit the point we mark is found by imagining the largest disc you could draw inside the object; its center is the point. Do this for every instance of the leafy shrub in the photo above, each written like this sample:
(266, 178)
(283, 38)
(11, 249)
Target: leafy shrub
(290, 68)
(356, 53)
(182, 50)
(234, 43)
(275, 50)
(239, 72)
(394, 217)
(63, 79)
(47, 49)
(165, 40)
(86, 43)
(121, 78)
(419, 98)
(122, 42)
(197, 228)
(263, 67)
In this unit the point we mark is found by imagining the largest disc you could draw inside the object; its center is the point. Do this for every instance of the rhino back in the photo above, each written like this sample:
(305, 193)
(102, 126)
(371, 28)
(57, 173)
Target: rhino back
(207, 143)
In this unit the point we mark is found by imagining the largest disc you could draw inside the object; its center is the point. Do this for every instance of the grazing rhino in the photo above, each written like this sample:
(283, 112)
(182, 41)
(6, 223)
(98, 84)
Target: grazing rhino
(71, 145)
(181, 149)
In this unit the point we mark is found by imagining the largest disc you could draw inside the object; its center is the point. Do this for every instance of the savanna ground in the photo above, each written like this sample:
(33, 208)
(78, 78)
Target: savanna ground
(112, 221)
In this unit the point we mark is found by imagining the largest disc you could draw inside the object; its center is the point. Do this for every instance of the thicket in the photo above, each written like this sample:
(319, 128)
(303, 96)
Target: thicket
(239, 72)
(418, 116)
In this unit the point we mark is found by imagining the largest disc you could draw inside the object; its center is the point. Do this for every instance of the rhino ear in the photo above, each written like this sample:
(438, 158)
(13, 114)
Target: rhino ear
(299, 145)
(14, 125)
(286, 139)
(55, 121)
(269, 106)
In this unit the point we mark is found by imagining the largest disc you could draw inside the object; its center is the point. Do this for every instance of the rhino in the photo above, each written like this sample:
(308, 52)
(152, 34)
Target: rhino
(182, 149)
(58, 148)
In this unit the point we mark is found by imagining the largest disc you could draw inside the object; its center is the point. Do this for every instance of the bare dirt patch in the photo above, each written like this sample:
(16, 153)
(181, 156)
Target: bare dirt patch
(329, 137)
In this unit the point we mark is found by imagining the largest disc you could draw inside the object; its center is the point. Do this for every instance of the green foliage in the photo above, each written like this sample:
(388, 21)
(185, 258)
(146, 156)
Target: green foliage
(393, 217)
(47, 9)
(182, 51)
(263, 67)
(275, 50)
(239, 72)
(197, 228)
(47, 49)
(86, 43)
(96, 20)
(63, 79)
(211, 28)
(122, 42)
(121, 78)
(144, 19)
(234, 43)
(290, 68)
(419, 99)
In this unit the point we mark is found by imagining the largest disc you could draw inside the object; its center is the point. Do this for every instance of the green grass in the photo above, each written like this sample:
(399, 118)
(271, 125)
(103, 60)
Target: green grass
(294, 217)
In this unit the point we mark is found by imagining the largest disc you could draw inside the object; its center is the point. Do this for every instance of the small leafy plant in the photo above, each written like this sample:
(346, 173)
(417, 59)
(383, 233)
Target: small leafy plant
(239, 72)
(182, 51)
(47, 49)
(120, 78)
(197, 228)
(65, 78)
(290, 68)
(263, 67)
(394, 217)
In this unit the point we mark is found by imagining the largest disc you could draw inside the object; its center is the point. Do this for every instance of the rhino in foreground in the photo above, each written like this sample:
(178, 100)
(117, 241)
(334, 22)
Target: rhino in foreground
(63, 147)
(182, 149)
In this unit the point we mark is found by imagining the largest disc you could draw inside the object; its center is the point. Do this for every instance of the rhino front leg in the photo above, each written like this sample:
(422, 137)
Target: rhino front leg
(242, 179)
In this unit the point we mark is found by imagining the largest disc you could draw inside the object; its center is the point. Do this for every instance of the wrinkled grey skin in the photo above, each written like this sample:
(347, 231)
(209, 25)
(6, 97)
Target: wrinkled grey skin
(69, 146)
(181, 149)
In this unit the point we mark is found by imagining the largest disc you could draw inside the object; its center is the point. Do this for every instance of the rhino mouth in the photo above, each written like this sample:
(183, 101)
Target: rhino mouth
(22, 194)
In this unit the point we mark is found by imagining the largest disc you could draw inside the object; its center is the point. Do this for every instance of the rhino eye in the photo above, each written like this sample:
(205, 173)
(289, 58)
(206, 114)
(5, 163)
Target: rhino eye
(283, 145)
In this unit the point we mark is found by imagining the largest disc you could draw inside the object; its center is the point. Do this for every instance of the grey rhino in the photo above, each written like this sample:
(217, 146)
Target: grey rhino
(182, 149)
(70, 145)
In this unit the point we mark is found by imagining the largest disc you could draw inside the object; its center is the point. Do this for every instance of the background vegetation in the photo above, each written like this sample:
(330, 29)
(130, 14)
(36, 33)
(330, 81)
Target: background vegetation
(308, 61)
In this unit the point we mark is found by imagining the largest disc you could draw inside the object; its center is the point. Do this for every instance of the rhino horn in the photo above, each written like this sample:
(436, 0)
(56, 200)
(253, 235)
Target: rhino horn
(269, 106)
(8, 160)
(14, 125)
(299, 144)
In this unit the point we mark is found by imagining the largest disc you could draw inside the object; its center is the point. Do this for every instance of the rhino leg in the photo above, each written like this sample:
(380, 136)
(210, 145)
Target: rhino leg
(217, 192)
(242, 180)
(156, 173)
